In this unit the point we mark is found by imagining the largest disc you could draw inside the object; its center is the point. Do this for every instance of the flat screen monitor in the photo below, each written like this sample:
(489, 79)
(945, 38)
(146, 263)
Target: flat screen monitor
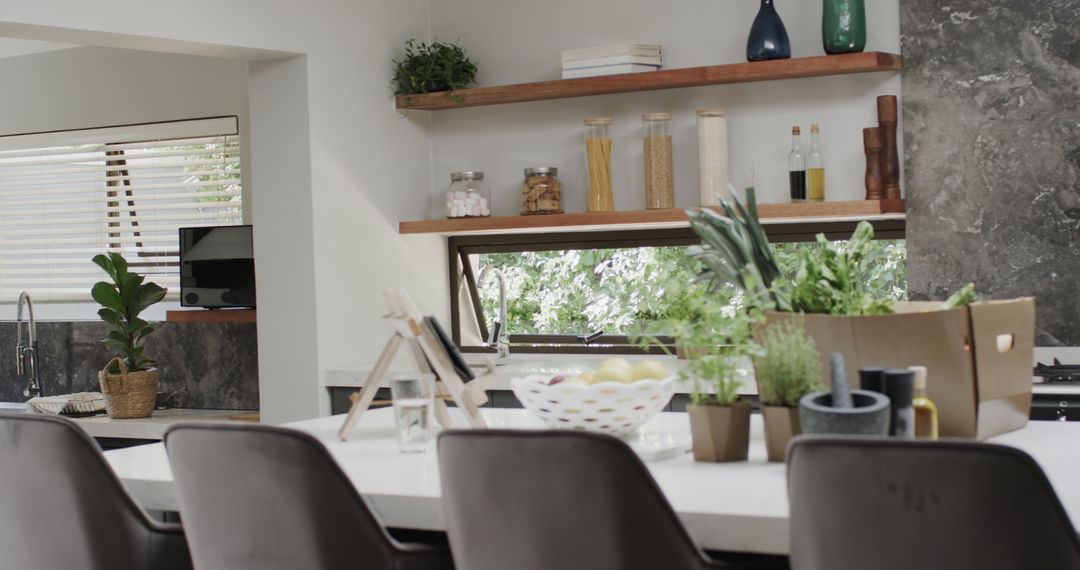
(217, 267)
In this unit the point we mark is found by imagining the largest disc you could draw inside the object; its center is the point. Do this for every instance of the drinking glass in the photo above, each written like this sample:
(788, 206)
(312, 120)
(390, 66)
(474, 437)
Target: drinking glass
(413, 395)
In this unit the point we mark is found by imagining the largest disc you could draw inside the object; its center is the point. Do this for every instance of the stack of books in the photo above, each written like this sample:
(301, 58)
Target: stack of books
(610, 60)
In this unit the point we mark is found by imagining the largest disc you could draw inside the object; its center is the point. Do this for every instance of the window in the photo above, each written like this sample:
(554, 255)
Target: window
(69, 195)
(595, 292)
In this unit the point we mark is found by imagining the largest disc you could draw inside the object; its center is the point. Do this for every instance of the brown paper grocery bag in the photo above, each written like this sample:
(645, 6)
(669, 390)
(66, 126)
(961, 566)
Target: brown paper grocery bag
(980, 391)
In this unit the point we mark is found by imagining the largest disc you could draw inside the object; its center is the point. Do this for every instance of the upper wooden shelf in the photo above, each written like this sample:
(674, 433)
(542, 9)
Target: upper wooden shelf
(654, 219)
(816, 66)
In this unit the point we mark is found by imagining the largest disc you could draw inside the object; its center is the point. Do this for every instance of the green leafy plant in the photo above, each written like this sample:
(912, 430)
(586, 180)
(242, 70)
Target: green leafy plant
(789, 366)
(718, 340)
(828, 278)
(718, 354)
(735, 250)
(962, 297)
(121, 302)
(428, 68)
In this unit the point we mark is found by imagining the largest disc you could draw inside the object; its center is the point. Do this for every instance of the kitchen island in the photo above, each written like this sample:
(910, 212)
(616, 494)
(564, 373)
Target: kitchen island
(734, 507)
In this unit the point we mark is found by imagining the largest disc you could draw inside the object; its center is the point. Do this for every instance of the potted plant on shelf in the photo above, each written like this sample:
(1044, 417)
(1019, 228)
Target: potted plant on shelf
(430, 68)
(787, 369)
(720, 345)
(129, 381)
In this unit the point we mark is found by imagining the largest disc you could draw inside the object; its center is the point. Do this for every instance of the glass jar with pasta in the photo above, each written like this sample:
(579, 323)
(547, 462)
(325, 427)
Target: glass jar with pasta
(598, 154)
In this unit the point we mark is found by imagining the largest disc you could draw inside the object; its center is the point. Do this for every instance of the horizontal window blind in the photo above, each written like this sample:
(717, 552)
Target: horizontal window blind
(67, 196)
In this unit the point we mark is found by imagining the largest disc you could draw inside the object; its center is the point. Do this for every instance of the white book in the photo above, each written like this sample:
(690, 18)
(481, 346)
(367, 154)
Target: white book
(614, 50)
(617, 60)
(606, 70)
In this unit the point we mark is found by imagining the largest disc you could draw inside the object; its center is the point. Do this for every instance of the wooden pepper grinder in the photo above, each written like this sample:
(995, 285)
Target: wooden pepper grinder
(872, 147)
(890, 158)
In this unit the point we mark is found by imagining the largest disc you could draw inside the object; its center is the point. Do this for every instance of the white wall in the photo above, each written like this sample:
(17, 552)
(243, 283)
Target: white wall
(86, 87)
(518, 40)
(326, 244)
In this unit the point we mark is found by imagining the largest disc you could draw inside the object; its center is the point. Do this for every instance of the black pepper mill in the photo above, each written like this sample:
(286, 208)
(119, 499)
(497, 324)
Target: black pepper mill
(900, 388)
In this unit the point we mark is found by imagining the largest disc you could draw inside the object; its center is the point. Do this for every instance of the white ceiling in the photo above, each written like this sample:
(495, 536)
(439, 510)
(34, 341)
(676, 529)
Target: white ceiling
(11, 47)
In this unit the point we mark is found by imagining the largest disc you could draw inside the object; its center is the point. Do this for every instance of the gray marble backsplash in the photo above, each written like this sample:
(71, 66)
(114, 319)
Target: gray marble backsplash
(991, 113)
(212, 366)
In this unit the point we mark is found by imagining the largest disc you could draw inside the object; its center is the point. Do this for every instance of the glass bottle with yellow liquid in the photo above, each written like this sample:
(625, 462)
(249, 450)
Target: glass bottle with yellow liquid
(815, 169)
(926, 413)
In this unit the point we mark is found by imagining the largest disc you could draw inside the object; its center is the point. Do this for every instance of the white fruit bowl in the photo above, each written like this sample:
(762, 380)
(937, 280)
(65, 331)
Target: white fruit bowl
(609, 407)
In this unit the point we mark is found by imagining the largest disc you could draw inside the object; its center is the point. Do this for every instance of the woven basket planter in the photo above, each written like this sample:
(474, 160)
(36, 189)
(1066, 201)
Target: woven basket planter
(129, 394)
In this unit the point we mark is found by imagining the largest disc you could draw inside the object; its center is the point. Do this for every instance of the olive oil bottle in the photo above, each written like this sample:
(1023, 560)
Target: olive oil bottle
(815, 169)
(926, 413)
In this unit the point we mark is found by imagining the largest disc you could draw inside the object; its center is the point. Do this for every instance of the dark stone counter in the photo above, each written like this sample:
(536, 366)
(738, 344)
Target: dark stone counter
(213, 366)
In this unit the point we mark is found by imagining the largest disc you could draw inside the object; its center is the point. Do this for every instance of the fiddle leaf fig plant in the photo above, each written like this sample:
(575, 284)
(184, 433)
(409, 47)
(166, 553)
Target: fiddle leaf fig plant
(122, 300)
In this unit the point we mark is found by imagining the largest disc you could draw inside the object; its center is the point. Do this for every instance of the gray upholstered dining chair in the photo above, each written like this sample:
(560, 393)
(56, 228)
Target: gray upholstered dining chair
(61, 506)
(545, 500)
(265, 498)
(897, 505)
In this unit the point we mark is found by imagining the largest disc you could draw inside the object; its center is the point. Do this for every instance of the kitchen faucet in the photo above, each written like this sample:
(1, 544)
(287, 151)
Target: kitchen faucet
(26, 354)
(499, 335)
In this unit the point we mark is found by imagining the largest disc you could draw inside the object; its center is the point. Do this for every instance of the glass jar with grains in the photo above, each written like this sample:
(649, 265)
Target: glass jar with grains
(541, 193)
(659, 178)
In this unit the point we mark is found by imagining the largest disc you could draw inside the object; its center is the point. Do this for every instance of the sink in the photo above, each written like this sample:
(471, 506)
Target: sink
(12, 407)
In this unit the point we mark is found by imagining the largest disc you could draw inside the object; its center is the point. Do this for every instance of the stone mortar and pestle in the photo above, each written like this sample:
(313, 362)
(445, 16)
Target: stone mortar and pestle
(844, 411)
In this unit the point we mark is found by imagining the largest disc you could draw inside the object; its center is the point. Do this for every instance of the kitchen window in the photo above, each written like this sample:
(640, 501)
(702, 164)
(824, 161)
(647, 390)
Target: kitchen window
(601, 292)
(67, 196)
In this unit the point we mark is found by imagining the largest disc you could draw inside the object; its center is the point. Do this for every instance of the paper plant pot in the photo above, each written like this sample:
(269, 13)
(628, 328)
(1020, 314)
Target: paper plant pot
(720, 433)
(781, 424)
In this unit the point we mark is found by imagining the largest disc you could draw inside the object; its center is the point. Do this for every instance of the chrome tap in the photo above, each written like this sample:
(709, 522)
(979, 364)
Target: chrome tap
(26, 354)
(499, 335)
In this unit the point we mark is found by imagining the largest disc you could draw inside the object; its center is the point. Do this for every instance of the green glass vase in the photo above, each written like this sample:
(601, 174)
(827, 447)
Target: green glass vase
(843, 26)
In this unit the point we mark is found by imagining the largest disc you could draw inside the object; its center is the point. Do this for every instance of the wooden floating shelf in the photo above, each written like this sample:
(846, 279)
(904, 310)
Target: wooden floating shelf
(817, 66)
(210, 316)
(654, 219)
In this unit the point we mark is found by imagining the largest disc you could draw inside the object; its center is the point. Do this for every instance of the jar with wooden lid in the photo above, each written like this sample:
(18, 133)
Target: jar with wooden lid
(541, 193)
(713, 156)
(598, 155)
(659, 178)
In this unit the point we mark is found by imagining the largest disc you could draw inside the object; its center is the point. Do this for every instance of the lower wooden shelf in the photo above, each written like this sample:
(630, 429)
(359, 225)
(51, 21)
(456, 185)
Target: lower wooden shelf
(210, 316)
(651, 219)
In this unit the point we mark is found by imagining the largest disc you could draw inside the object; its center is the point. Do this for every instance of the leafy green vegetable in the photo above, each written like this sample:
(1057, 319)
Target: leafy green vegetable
(827, 281)
(121, 302)
(963, 297)
(735, 250)
(790, 365)
(427, 68)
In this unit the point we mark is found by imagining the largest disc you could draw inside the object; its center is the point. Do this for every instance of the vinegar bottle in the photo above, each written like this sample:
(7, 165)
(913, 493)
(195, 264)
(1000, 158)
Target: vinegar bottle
(815, 169)
(926, 414)
(797, 168)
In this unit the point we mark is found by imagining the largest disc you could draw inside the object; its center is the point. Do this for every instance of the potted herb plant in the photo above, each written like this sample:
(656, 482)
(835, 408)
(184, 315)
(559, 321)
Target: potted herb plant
(787, 369)
(129, 381)
(430, 68)
(719, 421)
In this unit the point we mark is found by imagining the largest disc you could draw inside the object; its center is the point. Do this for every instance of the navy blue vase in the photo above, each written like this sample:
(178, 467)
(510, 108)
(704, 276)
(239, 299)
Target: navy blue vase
(768, 37)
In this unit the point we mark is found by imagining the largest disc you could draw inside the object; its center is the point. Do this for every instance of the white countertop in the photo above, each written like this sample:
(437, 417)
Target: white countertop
(738, 507)
(152, 428)
(523, 365)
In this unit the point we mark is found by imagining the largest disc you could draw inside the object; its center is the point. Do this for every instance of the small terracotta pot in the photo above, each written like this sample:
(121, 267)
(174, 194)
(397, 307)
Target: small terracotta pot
(720, 433)
(781, 424)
